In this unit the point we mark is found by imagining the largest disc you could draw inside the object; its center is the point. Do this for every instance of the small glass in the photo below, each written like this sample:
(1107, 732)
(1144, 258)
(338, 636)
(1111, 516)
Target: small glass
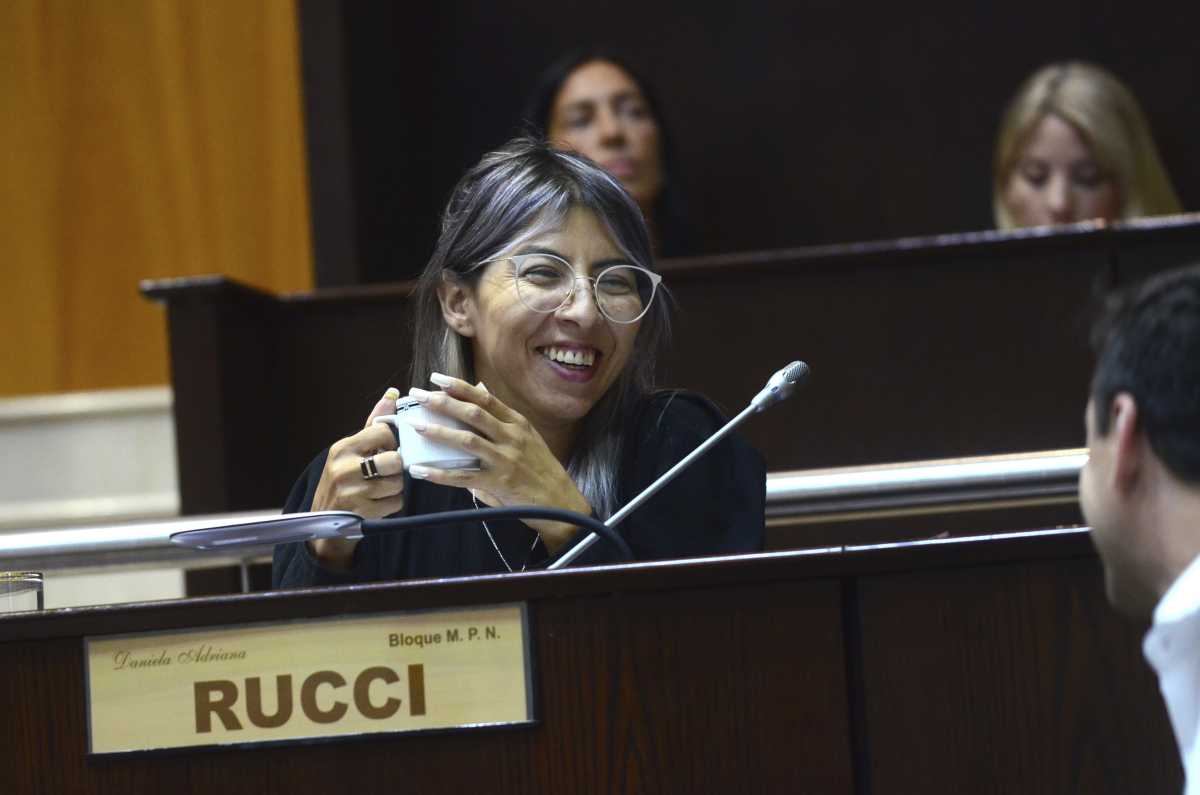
(20, 591)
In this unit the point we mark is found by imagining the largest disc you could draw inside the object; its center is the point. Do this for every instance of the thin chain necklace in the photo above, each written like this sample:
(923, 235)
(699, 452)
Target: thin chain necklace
(536, 538)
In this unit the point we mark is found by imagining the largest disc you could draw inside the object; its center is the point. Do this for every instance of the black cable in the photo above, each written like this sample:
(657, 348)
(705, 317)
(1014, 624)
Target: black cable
(589, 523)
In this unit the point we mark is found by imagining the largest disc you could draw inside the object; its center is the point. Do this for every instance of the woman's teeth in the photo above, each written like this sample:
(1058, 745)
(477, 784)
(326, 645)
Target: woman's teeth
(578, 358)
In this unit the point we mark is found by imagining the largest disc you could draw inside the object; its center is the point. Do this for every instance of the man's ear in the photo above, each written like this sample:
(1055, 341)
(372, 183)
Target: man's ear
(458, 305)
(1125, 425)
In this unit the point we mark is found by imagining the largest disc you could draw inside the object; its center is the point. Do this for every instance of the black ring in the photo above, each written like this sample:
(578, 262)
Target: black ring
(369, 470)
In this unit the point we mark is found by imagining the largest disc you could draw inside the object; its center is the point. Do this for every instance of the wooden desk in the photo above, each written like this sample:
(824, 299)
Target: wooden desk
(990, 665)
(930, 348)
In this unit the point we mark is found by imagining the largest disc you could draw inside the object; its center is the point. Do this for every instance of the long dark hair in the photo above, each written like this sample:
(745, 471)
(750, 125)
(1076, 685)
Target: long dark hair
(675, 237)
(515, 193)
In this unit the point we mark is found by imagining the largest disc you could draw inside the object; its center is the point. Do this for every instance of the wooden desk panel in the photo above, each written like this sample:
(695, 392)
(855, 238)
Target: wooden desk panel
(940, 347)
(657, 691)
(985, 665)
(1009, 679)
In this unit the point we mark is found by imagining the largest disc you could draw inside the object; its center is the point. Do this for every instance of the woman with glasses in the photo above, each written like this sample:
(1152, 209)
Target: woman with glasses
(539, 319)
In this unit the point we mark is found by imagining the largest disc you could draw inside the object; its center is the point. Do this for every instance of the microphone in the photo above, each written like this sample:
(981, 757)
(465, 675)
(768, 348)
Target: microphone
(779, 387)
(293, 527)
(270, 530)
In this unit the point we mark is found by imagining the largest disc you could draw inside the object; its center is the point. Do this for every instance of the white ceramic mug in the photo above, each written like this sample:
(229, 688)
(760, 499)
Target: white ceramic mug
(417, 449)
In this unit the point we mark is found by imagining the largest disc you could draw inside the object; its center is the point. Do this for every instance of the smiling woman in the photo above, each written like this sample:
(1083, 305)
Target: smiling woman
(541, 345)
(540, 315)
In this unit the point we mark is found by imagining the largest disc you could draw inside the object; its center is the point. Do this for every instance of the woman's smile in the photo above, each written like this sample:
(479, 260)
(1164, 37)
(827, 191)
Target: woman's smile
(575, 363)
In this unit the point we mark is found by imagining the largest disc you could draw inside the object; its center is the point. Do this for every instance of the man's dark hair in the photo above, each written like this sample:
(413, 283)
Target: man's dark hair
(1147, 343)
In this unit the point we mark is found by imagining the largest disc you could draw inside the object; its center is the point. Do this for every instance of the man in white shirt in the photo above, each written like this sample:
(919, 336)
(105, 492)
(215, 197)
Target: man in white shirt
(1140, 489)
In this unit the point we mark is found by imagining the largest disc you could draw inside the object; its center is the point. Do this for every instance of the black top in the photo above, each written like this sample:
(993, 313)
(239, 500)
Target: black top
(716, 506)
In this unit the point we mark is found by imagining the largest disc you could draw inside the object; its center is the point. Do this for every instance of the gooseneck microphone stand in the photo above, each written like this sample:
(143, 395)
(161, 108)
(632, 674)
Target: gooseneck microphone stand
(780, 386)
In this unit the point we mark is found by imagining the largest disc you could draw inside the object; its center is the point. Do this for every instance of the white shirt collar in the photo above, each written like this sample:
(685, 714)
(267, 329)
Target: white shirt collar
(1182, 598)
(1172, 647)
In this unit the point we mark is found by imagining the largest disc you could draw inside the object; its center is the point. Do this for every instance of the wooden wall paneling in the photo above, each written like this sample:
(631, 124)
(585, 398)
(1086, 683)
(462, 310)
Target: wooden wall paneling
(1000, 679)
(330, 148)
(337, 358)
(264, 382)
(230, 410)
(730, 671)
(794, 124)
(919, 350)
(155, 140)
(389, 107)
(31, 326)
(945, 357)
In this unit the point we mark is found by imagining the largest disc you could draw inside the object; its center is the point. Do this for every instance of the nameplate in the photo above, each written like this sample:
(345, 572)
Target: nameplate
(306, 680)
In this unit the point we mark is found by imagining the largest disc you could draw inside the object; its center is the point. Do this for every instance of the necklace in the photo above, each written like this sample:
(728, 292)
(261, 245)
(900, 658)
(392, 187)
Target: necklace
(536, 538)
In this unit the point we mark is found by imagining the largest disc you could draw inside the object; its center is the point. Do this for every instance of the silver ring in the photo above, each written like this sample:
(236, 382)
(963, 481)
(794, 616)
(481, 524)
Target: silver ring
(369, 470)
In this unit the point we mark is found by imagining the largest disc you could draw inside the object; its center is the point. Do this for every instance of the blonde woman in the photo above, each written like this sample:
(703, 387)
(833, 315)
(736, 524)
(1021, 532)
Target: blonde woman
(1074, 145)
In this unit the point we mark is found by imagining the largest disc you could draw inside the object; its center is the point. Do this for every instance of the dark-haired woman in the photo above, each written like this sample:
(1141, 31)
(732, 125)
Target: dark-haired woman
(594, 103)
(539, 316)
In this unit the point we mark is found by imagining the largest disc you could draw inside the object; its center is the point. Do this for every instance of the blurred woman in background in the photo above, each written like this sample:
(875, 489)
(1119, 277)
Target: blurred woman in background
(594, 103)
(1074, 145)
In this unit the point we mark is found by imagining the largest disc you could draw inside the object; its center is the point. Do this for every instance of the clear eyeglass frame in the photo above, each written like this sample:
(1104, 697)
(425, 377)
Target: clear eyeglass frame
(654, 278)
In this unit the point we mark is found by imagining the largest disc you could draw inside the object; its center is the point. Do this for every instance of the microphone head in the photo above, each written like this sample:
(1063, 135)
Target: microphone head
(781, 385)
(795, 374)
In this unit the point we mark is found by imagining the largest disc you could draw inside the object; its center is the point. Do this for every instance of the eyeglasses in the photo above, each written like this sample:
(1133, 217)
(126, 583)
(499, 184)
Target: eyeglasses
(546, 283)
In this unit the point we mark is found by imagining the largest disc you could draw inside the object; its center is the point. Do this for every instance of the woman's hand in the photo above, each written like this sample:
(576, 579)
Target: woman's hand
(342, 486)
(516, 465)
